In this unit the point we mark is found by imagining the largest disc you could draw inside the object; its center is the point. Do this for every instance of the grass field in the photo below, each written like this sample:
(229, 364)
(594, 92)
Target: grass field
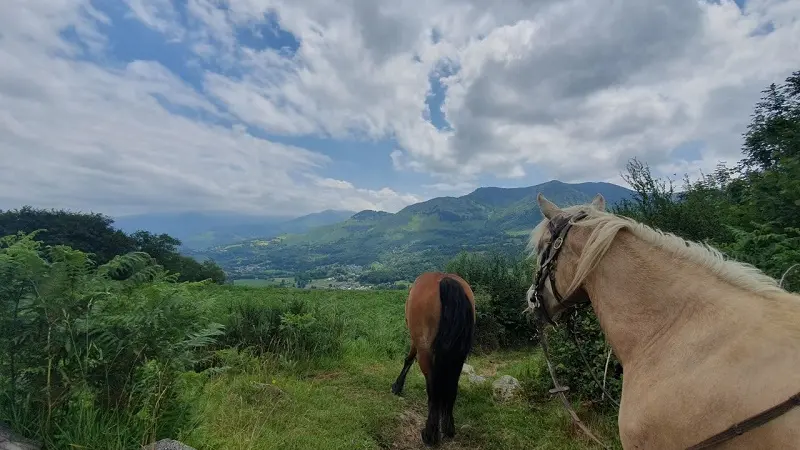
(344, 402)
(261, 282)
(315, 284)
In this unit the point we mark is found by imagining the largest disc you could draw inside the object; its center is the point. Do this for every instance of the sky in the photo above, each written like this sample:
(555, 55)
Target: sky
(286, 107)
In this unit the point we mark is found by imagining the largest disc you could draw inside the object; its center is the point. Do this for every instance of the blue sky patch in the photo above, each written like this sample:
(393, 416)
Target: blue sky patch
(268, 35)
(689, 151)
(437, 95)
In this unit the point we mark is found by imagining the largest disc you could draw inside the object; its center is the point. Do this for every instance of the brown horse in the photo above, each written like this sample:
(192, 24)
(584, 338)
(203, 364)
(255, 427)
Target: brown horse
(440, 316)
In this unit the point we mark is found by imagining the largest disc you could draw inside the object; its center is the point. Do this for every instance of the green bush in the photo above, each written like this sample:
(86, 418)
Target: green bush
(84, 346)
(570, 367)
(500, 284)
(293, 331)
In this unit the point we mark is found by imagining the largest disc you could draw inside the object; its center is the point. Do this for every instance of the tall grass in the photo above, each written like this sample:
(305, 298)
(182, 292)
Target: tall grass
(292, 333)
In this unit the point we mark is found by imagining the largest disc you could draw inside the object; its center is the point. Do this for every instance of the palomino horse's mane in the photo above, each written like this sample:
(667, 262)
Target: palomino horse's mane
(607, 225)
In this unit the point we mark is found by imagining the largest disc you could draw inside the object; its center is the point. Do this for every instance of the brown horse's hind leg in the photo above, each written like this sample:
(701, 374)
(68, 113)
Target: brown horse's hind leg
(397, 387)
(430, 434)
(448, 424)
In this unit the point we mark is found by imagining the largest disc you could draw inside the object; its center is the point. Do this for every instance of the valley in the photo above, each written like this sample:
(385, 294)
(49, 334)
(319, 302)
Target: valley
(380, 249)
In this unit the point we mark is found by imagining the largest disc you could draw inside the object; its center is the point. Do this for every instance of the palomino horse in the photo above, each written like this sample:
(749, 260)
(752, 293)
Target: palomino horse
(705, 343)
(440, 316)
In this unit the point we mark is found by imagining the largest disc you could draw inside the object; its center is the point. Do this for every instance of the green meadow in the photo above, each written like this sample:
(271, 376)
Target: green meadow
(342, 400)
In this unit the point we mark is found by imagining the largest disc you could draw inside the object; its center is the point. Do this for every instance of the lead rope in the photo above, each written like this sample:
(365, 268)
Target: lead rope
(560, 390)
(571, 329)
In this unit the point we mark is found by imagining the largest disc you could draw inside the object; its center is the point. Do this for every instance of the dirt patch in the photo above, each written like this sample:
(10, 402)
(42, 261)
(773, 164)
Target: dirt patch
(407, 434)
(374, 369)
(327, 376)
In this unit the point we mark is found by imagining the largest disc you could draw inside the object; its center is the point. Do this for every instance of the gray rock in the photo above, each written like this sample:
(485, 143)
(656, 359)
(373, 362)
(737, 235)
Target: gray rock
(168, 444)
(11, 441)
(476, 379)
(467, 369)
(505, 387)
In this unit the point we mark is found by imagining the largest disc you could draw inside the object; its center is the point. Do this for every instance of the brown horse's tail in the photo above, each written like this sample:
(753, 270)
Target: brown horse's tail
(453, 340)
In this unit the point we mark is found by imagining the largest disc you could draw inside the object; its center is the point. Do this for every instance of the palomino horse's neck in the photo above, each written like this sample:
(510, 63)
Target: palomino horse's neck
(641, 294)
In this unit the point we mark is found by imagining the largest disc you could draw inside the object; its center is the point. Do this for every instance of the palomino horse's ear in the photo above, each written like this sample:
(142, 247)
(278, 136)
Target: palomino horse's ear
(548, 208)
(599, 202)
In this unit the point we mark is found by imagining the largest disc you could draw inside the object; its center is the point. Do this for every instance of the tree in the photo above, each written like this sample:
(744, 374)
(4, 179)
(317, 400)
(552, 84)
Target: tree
(774, 132)
(164, 249)
(89, 233)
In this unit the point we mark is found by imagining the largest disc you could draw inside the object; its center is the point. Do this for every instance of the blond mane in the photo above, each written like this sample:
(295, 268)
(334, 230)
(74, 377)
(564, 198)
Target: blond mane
(607, 225)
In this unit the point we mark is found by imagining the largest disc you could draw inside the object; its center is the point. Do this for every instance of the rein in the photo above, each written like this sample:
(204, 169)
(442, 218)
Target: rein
(559, 226)
(560, 390)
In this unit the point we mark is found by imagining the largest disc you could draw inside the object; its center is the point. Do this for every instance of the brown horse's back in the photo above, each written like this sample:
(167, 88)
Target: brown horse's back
(423, 307)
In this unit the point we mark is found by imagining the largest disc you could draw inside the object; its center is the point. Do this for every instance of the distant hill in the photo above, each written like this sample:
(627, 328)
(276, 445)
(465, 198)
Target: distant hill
(200, 230)
(419, 237)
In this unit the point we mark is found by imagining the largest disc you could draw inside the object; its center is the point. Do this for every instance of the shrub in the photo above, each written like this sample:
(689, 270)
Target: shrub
(570, 367)
(83, 345)
(500, 284)
(293, 331)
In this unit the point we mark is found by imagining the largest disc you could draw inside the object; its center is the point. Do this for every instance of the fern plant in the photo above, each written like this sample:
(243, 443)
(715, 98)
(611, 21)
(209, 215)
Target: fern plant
(82, 345)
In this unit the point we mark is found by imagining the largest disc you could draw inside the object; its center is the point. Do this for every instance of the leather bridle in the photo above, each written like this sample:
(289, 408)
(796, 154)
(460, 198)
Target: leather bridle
(559, 227)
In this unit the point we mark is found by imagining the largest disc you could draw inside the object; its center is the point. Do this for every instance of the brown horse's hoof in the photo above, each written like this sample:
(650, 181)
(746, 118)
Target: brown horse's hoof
(449, 431)
(397, 389)
(429, 437)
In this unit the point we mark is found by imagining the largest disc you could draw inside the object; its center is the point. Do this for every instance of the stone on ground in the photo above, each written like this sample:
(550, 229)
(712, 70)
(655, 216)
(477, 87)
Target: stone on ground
(11, 441)
(476, 379)
(168, 444)
(505, 387)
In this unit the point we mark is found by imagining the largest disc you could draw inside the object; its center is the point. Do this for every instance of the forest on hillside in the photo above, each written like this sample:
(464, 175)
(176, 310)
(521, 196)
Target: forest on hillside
(96, 235)
(105, 344)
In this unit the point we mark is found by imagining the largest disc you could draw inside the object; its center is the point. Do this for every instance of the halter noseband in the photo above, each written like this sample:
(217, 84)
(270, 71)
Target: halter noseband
(558, 226)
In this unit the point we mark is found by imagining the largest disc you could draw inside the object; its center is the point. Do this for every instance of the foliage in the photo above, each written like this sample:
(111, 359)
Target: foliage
(503, 282)
(774, 131)
(89, 233)
(95, 235)
(289, 331)
(84, 347)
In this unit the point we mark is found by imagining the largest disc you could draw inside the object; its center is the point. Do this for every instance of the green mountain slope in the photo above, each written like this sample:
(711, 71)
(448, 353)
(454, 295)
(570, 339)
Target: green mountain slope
(198, 230)
(419, 237)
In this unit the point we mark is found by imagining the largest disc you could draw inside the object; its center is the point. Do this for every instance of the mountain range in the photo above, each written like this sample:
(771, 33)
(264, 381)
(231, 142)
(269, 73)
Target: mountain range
(200, 230)
(422, 236)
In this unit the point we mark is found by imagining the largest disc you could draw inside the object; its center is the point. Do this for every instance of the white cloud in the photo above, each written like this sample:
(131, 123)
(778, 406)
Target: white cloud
(574, 87)
(343, 194)
(157, 14)
(79, 135)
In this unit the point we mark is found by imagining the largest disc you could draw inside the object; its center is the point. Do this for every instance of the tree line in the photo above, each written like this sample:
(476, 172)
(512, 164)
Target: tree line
(96, 235)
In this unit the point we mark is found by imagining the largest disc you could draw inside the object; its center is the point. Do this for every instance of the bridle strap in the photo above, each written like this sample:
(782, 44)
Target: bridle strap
(558, 226)
(751, 423)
